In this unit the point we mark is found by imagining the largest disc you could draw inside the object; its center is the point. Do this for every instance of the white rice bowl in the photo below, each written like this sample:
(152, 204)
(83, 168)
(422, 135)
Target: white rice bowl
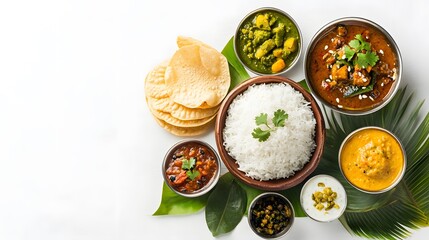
(287, 149)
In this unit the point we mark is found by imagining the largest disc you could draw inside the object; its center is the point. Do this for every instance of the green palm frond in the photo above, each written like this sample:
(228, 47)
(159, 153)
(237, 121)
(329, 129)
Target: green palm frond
(393, 214)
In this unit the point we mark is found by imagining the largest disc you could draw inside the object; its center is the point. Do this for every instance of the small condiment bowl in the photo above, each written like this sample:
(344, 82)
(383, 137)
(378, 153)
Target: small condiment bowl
(239, 51)
(318, 184)
(230, 162)
(210, 183)
(395, 148)
(264, 199)
(337, 106)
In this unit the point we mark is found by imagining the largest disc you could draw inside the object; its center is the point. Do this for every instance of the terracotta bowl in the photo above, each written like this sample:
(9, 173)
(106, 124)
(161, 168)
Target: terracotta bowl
(278, 184)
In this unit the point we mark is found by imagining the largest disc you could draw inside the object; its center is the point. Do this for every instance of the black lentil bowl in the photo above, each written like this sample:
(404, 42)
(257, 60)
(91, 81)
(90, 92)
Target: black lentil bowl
(271, 215)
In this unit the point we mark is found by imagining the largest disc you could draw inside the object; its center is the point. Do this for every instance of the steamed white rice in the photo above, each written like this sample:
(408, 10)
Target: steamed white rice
(287, 149)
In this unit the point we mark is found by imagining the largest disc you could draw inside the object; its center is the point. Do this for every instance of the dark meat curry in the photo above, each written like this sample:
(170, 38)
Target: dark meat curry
(353, 67)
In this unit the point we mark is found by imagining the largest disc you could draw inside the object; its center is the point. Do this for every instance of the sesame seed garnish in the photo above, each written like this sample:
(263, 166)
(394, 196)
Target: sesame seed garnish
(340, 106)
(381, 51)
(349, 69)
(382, 84)
(360, 97)
(331, 52)
(328, 80)
(364, 96)
(332, 39)
(367, 37)
(363, 87)
(364, 80)
(372, 99)
(338, 100)
(330, 76)
(327, 65)
(344, 56)
(330, 66)
(360, 74)
(326, 47)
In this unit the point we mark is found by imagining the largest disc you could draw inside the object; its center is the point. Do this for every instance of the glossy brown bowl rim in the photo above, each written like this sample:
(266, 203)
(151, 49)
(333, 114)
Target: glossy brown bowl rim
(209, 185)
(278, 184)
(365, 22)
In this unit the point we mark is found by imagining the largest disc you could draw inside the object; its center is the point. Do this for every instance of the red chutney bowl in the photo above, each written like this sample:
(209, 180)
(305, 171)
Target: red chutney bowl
(276, 184)
(191, 168)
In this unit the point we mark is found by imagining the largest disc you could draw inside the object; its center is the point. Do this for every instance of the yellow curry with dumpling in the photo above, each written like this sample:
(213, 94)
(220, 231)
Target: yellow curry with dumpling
(372, 160)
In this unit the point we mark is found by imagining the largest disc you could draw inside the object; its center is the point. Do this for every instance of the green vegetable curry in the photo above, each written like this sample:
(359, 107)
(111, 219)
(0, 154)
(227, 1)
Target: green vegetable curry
(268, 42)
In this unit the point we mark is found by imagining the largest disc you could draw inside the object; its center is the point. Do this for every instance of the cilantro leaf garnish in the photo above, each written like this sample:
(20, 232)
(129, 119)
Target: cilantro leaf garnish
(355, 44)
(192, 174)
(362, 50)
(188, 165)
(278, 120)
(261, 135)
(364, 45)
(365, 59)
(262, 119)
(349, 53)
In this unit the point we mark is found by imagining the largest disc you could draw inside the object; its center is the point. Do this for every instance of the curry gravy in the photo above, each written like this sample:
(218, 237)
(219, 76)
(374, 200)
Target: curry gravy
(320, 70)
(372, 160)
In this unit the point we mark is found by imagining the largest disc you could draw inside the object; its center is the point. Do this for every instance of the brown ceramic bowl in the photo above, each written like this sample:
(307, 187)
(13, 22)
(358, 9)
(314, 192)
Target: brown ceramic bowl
(230, 162)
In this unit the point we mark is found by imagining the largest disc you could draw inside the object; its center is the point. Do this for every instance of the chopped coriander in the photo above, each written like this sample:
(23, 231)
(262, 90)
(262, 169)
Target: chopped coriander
(355, 44)
(364, 44)
(188, 165)
(362, 50)
(367, 59)
(260, 134)
(192, 174)
(349, 53)
(262, 119)
(278, 120)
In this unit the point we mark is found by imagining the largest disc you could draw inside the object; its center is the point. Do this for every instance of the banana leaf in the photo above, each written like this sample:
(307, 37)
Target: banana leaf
(236, 69)
(174, 204)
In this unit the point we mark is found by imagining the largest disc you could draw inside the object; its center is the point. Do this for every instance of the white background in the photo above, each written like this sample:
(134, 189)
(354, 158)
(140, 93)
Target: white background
(80, 154)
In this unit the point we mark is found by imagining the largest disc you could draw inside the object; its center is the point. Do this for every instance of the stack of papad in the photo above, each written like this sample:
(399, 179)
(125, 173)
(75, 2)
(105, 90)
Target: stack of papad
(184, 93)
